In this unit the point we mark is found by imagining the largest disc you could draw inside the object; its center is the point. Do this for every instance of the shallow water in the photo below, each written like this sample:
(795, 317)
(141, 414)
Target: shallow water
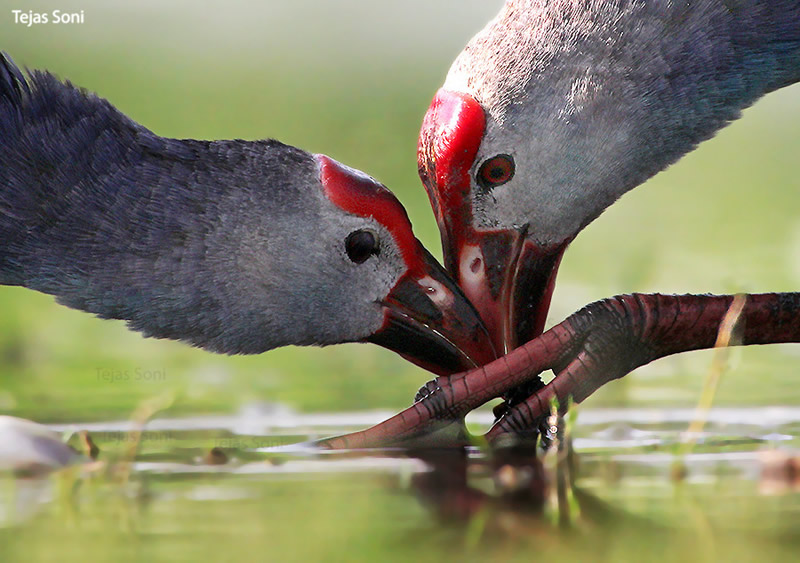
(325, 82)
(733, 496)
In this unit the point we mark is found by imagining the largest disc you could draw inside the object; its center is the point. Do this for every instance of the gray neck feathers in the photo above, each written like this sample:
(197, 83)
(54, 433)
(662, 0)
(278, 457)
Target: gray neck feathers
(604, 94)
(166, 234)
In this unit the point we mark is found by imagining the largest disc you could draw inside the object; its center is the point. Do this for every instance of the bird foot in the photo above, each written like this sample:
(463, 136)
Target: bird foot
(601, 342)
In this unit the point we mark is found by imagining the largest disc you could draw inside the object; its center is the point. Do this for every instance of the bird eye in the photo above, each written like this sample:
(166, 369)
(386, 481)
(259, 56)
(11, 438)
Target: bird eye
(360, 245)
(496, 171)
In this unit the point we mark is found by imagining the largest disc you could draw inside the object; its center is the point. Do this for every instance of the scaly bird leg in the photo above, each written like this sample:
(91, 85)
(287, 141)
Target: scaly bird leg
(611, 338)
(602, 342)
(447, 399)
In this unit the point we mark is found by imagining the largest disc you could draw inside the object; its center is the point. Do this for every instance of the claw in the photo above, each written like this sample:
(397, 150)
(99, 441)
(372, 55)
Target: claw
(601, 342)
(426, 390)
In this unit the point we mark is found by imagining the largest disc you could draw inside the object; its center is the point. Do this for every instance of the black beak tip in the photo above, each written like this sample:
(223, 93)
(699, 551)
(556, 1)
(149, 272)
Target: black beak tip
(421, 347)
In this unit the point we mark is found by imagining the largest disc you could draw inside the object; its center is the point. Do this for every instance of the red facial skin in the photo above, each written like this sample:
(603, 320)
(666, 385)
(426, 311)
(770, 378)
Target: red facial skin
(428, 320)
(449, 140)
(508, 278)
(360, 195)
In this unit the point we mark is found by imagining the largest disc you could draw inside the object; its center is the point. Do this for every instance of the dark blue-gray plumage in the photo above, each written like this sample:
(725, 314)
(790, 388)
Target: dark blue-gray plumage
(234, 246)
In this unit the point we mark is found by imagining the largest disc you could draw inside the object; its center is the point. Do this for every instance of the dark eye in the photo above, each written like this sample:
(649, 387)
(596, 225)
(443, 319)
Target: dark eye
(360, 245)
(496, 171)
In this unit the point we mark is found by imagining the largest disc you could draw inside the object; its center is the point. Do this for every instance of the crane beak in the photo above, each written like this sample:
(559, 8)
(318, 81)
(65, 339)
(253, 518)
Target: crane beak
(429, 321)
(507, 277)
(509, 280)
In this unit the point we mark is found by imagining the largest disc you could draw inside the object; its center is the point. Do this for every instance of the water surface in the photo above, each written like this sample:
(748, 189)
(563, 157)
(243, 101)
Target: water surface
(732, 497)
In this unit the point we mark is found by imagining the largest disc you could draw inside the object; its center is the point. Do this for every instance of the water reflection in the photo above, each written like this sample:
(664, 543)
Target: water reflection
(461, 482)
(613, 465)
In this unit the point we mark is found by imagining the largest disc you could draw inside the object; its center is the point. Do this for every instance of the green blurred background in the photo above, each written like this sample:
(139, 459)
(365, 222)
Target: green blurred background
(353, 79)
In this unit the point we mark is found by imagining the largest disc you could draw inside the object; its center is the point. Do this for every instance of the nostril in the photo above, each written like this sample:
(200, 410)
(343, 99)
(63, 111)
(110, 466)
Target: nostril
(436, 292)
(475, 266)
